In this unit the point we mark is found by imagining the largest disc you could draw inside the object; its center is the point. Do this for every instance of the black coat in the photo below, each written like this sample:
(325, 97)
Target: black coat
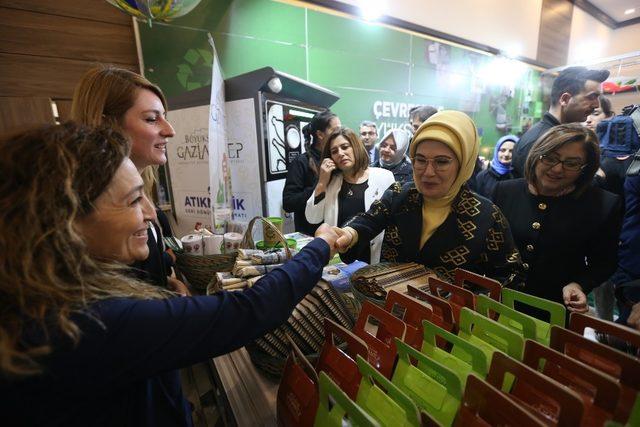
(523, 146)
(615, 173)
(486, 181)
(475, 236)
(562, 239)
(300, 183)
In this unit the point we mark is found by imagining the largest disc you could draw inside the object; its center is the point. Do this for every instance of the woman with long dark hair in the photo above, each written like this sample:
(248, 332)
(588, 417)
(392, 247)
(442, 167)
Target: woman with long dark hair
(302, 175)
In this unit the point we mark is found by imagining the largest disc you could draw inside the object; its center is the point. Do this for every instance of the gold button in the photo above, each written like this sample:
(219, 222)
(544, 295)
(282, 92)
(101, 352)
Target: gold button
(530, 248)
(525, 266)
(542, 206)
(536, 226)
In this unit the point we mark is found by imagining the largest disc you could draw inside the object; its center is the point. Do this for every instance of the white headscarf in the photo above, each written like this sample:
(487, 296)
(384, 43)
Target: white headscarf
(401, 138)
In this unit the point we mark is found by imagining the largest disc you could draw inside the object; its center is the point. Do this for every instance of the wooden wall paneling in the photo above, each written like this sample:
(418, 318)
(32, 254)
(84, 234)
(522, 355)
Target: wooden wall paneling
(555, 32)
(39, 34)
(26, 75)
(95, 10)
(19, 113)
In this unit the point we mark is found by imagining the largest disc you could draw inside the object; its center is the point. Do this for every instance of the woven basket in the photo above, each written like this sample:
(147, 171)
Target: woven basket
(199, 269)
(247, 240)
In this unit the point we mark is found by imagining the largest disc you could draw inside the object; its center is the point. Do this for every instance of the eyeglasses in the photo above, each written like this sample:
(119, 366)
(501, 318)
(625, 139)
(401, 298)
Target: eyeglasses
(367, 133)
(440, 163)
(569, 164)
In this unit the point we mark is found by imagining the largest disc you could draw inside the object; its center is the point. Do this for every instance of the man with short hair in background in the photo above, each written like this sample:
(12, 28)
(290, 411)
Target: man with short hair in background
(418, 114)
(574, 95)
(369, 135)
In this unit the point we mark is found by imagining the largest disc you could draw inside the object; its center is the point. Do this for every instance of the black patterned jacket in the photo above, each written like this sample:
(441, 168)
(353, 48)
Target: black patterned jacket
(475, 236)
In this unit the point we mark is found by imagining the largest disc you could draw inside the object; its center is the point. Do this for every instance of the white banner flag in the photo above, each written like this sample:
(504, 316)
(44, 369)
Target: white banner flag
(219, 172)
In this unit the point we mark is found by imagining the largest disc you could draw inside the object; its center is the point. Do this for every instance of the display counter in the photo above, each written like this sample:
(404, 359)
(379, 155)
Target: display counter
(249, 396)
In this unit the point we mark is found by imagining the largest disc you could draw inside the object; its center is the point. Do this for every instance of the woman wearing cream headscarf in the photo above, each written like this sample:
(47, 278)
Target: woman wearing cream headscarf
(393, 148)
(457, 228)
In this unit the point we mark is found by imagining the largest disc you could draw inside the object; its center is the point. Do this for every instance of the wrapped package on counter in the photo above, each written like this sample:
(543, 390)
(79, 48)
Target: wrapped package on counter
(242, 284)
(225, 278)
(228, 282)
(255, 270)
(274, 257)
(246, 254)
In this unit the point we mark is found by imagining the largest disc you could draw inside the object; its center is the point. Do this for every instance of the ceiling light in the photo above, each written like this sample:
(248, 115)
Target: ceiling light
(371, 10)
(629, 11)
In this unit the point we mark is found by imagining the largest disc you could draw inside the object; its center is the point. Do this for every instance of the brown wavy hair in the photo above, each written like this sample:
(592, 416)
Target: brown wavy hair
(103, 96)
(559, 136)
(360, 155)
(50, 176)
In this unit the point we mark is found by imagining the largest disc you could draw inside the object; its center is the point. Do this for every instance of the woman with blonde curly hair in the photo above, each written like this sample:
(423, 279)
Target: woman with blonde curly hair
(80, 342)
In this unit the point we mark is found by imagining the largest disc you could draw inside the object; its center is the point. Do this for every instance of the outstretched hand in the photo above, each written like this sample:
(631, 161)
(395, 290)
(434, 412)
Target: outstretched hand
(344, 240)
(329, 235)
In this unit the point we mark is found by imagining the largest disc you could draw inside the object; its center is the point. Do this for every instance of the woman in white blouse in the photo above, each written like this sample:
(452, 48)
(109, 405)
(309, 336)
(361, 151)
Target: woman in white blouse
(347, 185)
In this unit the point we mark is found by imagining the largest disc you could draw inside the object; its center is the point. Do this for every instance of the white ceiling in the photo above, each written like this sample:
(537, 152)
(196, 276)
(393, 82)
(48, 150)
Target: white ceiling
(616, 8)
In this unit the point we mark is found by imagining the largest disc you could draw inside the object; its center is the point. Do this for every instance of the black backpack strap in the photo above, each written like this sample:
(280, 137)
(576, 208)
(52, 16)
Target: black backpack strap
(634, 167)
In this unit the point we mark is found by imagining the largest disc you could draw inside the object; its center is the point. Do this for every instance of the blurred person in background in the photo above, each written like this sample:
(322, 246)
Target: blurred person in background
(369, 136)
(574, 95)
(393, 149)
(499, 168)
(302, 175)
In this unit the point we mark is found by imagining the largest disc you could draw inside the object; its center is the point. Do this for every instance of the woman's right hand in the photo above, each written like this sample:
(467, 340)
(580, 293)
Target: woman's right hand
(326, 168)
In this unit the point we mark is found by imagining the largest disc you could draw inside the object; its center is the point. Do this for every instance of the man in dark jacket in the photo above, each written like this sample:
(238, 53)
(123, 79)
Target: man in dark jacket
(369, 136)
(574, 95)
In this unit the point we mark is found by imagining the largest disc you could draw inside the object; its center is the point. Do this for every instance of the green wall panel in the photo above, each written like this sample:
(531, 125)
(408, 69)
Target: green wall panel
(264, 19)
(379, 72)
(360, 39)
(338, 68)
(263, 53)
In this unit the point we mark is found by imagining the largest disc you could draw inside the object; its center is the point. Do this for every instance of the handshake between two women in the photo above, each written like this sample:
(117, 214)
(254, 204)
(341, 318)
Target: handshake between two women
(338, 239)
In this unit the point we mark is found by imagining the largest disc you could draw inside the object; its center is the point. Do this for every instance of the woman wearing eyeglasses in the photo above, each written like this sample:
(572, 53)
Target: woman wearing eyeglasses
(436, 220)
(566, 229)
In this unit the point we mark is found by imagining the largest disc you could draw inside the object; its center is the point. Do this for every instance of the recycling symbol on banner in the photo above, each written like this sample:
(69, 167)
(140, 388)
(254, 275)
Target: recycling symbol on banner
(195, 72)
